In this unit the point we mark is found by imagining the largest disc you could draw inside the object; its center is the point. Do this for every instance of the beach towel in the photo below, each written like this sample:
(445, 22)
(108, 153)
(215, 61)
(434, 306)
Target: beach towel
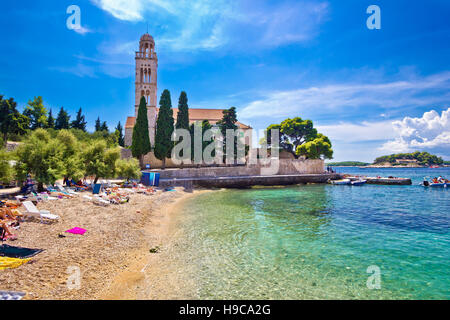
(7, 263)
(18, 252)
(77, 230)
(10, 295)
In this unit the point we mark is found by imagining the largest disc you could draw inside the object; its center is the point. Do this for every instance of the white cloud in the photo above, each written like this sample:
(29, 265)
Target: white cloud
(359, 132)
(207, 25)
(431, 132)
(407, 93)
(82, 30)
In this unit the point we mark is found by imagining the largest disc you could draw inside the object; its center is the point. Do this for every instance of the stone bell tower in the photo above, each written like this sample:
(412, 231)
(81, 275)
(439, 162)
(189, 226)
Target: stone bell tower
(146, 81)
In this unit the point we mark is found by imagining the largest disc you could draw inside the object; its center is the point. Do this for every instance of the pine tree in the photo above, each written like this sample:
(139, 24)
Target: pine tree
(50, 120)
(121, 139)
(11, 120)
(140, 145)
(37, 113)
(62, 120)
(98, 125)
(104, 127)
(80, 121)
(164, 129)
(183, 116)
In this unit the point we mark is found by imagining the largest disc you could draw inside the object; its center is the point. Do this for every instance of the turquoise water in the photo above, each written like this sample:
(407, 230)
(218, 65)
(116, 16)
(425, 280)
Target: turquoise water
(317, 241)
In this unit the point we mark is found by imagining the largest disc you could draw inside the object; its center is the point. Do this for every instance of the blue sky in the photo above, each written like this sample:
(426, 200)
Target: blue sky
(373, 92)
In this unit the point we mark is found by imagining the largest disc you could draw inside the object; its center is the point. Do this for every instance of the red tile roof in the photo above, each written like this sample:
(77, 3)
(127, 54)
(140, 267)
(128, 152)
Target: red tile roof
(212, 115)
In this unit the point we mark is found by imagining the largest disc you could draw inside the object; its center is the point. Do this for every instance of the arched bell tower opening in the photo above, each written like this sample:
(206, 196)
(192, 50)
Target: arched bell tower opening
(146, 81)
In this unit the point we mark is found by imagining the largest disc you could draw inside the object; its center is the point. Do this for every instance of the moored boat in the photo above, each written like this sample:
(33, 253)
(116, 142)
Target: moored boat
(359, 182)
(341, 182)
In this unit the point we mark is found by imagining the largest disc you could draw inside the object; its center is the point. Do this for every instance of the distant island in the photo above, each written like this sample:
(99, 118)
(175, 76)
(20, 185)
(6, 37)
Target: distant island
(413, 160)
(348, 164)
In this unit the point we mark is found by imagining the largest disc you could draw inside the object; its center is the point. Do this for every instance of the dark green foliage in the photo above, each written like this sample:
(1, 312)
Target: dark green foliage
(183, 116)
(164, 128)
(98, 125)
(11, 120)
(228, 122)
(423, 158)
(119, 133)
(140, 145)
(50, 120)
(183, 112)
(62, 120)
(104, 127)
(294, 133)
(79, 122)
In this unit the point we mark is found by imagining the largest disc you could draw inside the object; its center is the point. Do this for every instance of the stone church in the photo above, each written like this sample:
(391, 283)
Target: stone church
(146, 85)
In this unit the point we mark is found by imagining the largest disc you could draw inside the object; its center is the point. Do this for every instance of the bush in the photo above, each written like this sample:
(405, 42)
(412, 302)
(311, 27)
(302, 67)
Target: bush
(6, 170)
(128, 169)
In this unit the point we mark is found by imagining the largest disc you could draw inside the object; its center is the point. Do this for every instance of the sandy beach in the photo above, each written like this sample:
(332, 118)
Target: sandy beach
(114, 255)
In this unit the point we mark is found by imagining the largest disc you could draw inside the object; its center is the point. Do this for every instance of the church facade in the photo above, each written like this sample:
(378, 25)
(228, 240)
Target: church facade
(146, 85)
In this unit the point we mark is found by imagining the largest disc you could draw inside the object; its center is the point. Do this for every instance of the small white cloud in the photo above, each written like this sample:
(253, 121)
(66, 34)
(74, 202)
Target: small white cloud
(82, 30)
(431, 132)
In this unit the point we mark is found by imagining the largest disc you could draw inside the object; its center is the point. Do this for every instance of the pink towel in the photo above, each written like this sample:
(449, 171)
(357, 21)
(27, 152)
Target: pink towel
(77, 231)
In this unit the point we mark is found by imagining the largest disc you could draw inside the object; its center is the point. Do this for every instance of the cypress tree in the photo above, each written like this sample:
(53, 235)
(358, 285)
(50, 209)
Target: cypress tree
(140, 145)
(98, 125)
(50, 120)
(121, 139)
(183, 116)
(62, 120)
(164, 129)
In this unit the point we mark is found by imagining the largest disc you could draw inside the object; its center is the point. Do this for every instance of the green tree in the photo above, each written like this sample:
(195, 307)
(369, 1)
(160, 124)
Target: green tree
(119, 133)
(228, 122)
(316, 149)
(50, 121)
(104, 127)
(99, 160)
(183, 116)
(140, 144)
(71, 150)
(164, 129)
(62, 120)
(98, 125)
(6, 170)
(37, 113)
(128, 169)
(293, 133)
(41, 156)
(11, 120)
(79, 122)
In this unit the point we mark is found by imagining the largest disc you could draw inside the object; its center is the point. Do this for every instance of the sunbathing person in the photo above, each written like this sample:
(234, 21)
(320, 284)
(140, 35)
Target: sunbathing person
(7, 233)
(6, 214)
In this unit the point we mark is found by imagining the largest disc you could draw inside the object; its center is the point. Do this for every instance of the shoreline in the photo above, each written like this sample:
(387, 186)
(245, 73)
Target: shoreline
(109, 257)
(148, 277)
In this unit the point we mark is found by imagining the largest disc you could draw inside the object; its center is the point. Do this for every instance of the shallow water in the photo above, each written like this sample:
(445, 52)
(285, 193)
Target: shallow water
(317, 241)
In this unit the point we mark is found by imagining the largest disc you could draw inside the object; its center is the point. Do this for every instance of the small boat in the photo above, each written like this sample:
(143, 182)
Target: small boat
(341, 182)
(440, 185)
(426, 183)
(359, 182)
